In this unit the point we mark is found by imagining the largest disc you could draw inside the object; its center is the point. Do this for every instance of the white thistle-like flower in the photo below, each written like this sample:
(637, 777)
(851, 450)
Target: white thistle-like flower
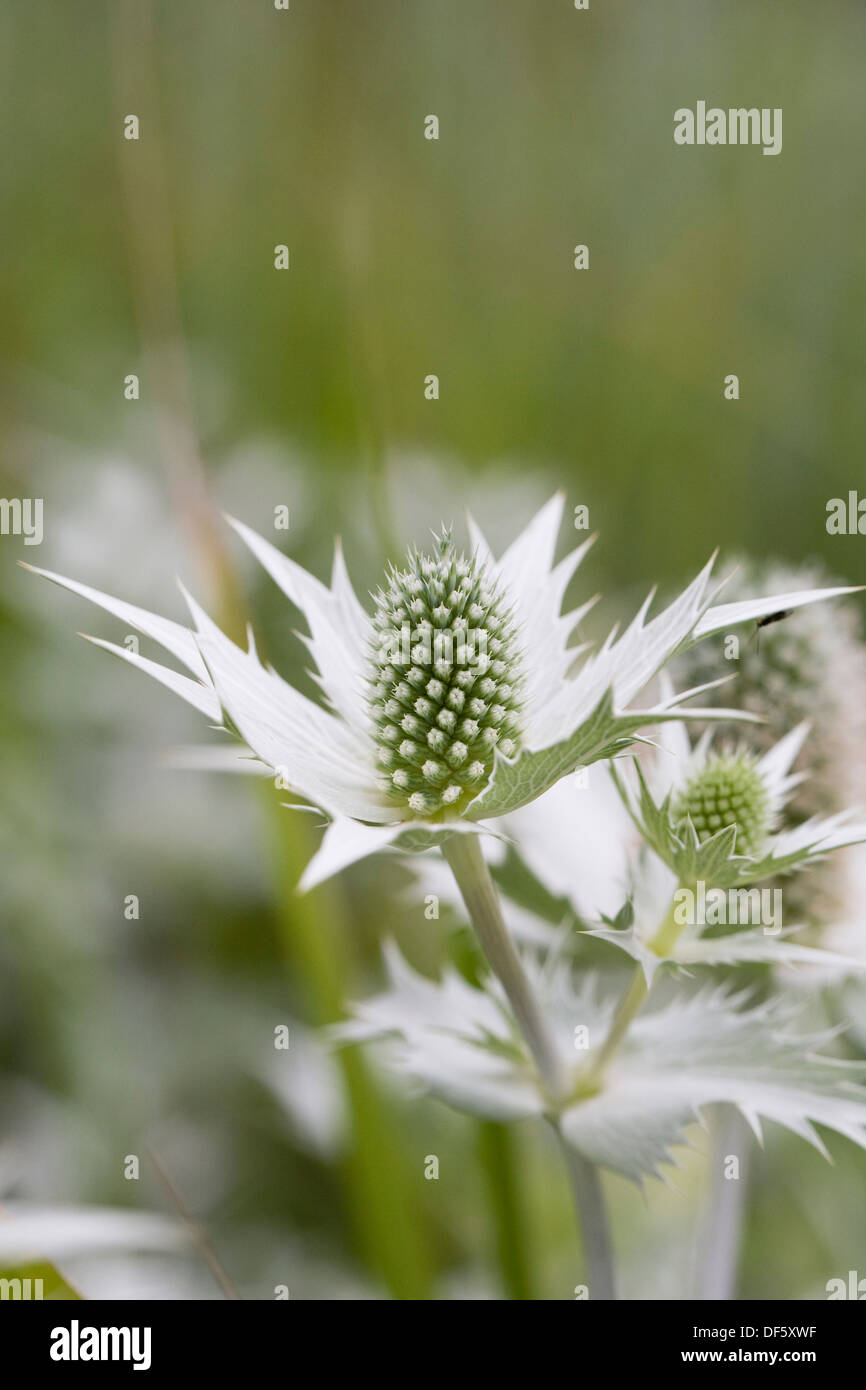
(454, 703)
(586, 845)
(802, 668)
(713, 815)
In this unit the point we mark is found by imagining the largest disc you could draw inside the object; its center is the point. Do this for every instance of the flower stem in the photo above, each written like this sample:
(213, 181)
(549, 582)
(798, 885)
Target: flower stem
(464, 855)
(632, 1001)
(594, 1224)
(722, 1231)
(626, 1011)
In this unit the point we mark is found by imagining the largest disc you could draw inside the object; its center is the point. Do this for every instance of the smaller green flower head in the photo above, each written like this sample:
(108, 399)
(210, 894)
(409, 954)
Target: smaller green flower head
(728, 790)
(444, 682)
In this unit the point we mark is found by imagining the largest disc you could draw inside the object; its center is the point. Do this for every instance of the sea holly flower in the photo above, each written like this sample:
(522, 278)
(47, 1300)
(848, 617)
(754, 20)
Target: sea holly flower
(728, 789)
(446, 681)
(710, 816)
(416, 744)
(583, 862)
(459, 701)
(801, 668)
(587, 855)
(462, 1044)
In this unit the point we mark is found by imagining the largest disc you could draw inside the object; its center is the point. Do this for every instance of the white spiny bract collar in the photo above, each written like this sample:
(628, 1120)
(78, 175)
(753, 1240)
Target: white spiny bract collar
(594, 868)
(548, 723)
(663, 806)
(459, 1043)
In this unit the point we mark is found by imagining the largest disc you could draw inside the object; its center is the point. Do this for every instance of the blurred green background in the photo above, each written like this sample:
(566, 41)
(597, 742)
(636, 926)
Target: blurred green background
(305, 388)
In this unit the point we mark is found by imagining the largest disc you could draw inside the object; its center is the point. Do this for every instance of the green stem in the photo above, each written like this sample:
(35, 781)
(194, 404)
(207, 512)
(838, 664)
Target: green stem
(594, 1223)
(467, 862)
(668, 934)
(632, 1001)
(724, 1218)
(496, 1151)
(626, 1011)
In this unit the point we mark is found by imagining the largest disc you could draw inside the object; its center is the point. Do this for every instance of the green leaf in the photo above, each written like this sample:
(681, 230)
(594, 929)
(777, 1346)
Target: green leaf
(624, 919)
(515, 783)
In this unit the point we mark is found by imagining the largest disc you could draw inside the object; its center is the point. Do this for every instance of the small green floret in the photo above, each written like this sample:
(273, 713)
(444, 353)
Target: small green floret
(729, 790)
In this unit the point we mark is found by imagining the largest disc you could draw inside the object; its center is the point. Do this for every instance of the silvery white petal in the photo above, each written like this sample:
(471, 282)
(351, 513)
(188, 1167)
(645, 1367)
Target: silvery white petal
(308, 1085)
(633, 945)
(760, 946)
(340, 629)
(775, 765)
(653, 885)
(348, 841)
(727, 615)
(345, 842)
(534, 590)
(672, 698)
(577, 841)
(624, 665)
(819, 835)
(701, 1050)
(33, 1233)
(668, 768)
(316, 753)
(436, 1034)
(172, 636)
(216, 758)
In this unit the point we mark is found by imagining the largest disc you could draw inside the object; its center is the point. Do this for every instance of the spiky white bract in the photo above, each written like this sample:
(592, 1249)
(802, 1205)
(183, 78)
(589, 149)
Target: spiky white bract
(721, 855)
(582, 846)
(460, 1043)
(706, 1049)
(539, 722)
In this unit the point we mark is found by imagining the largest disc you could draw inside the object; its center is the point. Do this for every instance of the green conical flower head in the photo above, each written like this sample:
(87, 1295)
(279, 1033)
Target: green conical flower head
(444, 691)
(728, 790)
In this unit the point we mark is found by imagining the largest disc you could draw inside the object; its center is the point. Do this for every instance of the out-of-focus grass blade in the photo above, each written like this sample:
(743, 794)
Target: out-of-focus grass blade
(386, 1217)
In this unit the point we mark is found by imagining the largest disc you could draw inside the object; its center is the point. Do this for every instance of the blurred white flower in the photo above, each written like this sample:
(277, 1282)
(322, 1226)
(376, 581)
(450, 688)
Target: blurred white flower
(30, 1233)
(461, 1043)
